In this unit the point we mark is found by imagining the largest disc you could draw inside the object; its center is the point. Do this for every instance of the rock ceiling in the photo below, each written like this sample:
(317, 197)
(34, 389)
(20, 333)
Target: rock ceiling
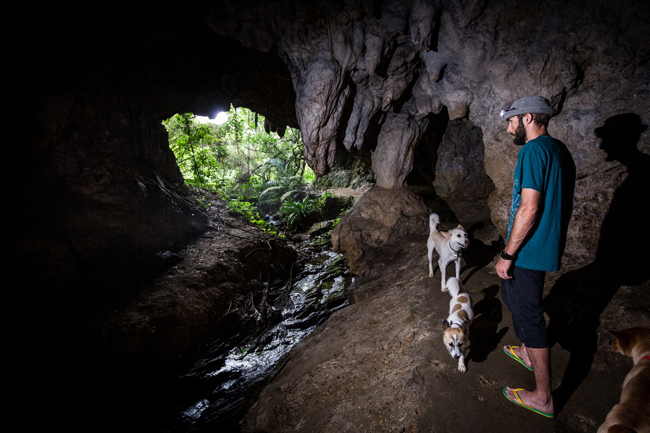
(95, 88)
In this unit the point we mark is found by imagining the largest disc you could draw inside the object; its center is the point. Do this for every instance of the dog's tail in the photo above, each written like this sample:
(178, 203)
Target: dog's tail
(434, 220)
(453, 286)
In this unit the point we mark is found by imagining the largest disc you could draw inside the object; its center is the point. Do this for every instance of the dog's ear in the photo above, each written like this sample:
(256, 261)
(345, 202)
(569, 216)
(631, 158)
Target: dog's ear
(445, 234)
(616, 333)
(460, 227)
(624, 338)
(445, 324)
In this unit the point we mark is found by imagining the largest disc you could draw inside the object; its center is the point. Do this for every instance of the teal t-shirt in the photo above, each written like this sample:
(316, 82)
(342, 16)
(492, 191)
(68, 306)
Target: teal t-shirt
(539, 167)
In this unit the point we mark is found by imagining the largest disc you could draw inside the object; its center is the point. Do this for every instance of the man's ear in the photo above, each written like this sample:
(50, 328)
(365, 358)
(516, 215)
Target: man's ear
(528, 118)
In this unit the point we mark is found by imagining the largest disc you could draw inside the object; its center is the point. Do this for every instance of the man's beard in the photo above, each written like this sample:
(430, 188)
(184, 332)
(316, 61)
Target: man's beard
(520, 135)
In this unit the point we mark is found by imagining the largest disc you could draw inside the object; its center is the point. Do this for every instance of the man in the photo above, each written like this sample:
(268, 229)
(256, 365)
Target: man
(534, 244)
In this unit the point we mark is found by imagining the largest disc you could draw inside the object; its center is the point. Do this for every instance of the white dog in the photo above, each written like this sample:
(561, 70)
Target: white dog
(456, 326)
(449, 246)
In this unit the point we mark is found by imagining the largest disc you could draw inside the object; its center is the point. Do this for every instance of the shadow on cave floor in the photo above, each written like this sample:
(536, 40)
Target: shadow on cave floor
(484, 332)
(578, 298)
(485, 243)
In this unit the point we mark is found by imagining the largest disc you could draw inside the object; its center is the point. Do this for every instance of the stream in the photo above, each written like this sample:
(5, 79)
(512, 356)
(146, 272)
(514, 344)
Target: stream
(216, 393)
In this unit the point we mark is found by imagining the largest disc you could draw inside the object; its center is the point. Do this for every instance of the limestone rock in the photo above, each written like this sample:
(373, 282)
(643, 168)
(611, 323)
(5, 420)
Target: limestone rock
(460, 175)
(389, 66)
(94, 191)
(381, 217)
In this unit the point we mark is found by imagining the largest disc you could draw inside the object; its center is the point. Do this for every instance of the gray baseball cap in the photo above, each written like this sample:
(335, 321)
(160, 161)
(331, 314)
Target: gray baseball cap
(528, 104)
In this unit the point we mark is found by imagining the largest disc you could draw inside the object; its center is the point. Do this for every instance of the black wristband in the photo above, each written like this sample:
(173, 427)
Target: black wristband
(506, 256)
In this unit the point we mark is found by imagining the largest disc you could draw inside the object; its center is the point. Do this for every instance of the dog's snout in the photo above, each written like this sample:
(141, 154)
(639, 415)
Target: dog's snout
(456, 356)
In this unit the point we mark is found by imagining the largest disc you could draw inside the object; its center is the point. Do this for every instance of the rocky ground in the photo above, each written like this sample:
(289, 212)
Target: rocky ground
(380, 364)
(113, 356)
(376, 365)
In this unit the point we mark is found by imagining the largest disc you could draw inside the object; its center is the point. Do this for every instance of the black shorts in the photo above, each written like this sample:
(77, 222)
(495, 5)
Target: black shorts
(523, 296)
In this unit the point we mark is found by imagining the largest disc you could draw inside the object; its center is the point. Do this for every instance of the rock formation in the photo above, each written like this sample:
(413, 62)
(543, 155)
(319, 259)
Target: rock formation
(395, 64)
(98, 193)
(364, 73)
(460, 177)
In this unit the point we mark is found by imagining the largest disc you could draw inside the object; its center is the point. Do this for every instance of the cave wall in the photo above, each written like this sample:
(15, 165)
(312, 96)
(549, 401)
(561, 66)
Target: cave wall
(397, 62)
(460, 177)
(97, 195)
(95, 186)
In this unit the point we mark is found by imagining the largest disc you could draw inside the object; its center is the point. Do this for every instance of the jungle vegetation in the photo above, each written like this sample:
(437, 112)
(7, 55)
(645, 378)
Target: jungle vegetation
(256, 172)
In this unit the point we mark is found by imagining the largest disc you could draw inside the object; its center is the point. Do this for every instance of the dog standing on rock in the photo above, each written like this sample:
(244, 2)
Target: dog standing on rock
(449, 246)
(456, 326)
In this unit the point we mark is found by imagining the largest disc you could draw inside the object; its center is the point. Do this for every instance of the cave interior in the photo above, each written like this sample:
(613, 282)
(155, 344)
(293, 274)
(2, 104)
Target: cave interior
(95, 193)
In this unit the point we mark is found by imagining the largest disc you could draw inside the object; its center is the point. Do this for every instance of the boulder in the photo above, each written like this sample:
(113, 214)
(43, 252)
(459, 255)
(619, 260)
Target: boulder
(381, 217)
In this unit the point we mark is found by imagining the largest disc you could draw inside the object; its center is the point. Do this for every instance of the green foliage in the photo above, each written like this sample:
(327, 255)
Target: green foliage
(238, 157)
(337, 220)
(245, 165)
(199, 152)
(286, 184)
(294, 212)
(204, 203)
(244, 208)
(250, 212)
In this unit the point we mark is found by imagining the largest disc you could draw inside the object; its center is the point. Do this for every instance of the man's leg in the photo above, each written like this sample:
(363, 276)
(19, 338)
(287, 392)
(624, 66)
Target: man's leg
(541, 397)
(511, 295)
(532, 329)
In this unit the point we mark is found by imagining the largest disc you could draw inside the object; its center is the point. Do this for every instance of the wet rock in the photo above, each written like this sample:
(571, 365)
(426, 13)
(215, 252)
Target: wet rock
(321, 227)
(236, 376)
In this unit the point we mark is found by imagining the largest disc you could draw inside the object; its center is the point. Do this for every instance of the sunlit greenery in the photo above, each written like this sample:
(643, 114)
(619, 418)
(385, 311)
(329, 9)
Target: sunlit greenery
(237, 155)
(245, 165)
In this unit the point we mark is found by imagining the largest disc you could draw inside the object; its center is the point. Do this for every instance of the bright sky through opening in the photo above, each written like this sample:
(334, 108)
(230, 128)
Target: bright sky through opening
(221, 117)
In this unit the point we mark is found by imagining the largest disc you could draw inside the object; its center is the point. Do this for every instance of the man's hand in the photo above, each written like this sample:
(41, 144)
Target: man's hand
(503, 268)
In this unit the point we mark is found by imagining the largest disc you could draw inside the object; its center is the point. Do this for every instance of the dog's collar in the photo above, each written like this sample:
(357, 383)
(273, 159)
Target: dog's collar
(458, 253)
(457, 325)
(646, 357)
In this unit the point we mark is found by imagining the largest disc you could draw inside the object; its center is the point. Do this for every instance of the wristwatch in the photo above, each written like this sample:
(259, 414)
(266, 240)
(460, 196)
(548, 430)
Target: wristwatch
(506, 256)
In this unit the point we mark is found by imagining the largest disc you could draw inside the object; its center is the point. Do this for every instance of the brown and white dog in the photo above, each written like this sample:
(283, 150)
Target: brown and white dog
(632, 413)
(449, 246)
(456, 326)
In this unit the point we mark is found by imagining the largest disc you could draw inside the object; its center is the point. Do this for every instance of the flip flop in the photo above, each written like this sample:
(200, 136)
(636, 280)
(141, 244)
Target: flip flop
(518, 402)
(511, 353)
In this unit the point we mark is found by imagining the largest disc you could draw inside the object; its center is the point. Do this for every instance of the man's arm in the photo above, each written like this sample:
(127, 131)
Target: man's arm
(524, 221)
